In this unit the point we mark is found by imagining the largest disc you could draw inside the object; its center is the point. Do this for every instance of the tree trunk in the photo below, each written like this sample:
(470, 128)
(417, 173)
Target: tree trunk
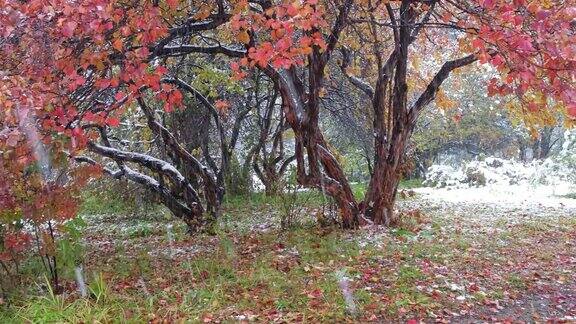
(545, 142)
(522, 152)
(381, 195)
(272, 188)
(536, 149)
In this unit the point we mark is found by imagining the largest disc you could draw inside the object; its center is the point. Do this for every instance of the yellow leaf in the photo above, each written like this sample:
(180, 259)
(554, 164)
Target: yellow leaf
(443, 102)
(240, 6)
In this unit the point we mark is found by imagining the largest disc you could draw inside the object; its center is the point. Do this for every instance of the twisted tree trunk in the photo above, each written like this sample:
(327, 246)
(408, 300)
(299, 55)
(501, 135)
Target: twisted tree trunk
(393, 123)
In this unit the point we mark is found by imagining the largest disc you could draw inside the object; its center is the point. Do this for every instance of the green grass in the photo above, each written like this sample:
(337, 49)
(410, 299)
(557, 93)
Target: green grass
(223, 282)
(516, 281)
(292, 272)
(259, 199)
(359, 188)
(93, 204)
(106, 202)
(411, 183)
(142, 231)
(310, 197)
(404, 292)
(52, 308)
(98, 203)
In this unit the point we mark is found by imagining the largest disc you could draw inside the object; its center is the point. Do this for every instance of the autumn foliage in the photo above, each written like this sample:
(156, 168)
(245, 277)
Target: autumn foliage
(71, 70)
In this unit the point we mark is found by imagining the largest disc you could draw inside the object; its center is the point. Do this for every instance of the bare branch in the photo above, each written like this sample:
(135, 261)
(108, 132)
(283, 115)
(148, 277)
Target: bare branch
(359, 83)
(428, 95)
(180, 50)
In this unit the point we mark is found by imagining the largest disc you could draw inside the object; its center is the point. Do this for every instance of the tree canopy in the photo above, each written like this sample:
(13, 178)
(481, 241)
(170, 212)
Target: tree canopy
(73, 71)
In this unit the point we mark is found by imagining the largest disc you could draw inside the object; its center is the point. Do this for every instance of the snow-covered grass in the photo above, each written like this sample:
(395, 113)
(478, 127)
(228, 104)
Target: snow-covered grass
(539, 187)
(504, 196)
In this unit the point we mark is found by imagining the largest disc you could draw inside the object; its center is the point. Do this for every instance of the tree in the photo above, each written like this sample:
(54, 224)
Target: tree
(97, 50)
(499, 32)
(470, 126)
(37, 192)
(540, 142)
(268, 156)
(84, 66)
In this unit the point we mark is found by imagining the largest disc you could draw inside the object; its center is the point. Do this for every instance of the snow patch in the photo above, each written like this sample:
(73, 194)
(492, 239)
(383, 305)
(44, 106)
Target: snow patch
(508, 183)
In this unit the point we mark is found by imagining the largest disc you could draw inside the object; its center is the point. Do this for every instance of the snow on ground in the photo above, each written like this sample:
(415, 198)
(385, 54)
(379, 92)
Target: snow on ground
(510, 196)
(536, 187)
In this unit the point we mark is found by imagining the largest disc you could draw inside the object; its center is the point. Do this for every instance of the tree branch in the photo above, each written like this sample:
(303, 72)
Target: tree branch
(339, 25)
(428, 95)
(179, 50)
(359, 83)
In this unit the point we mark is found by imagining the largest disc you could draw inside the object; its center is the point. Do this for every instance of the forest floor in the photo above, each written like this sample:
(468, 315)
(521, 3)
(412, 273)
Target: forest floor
(450, 261)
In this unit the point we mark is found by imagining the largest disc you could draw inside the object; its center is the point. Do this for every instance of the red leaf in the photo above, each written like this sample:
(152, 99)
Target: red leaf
(221, 105)
(478, 43)
(571, 111)
(89, 116)
(525, 45)
(77, 132)
(457, 118)
(173, 4)
(68, 28)
(118, 45)
(497, 60)
(488, 4)
(13, 139)
(533, 107)
(119, 95)
(112, 122)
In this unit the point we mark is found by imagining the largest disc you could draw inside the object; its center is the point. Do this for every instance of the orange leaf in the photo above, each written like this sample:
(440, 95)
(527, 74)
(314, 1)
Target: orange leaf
(118, 45)
(243, 37)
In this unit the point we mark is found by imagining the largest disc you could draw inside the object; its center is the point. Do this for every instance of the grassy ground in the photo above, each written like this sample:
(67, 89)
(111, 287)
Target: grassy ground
(438, 266)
